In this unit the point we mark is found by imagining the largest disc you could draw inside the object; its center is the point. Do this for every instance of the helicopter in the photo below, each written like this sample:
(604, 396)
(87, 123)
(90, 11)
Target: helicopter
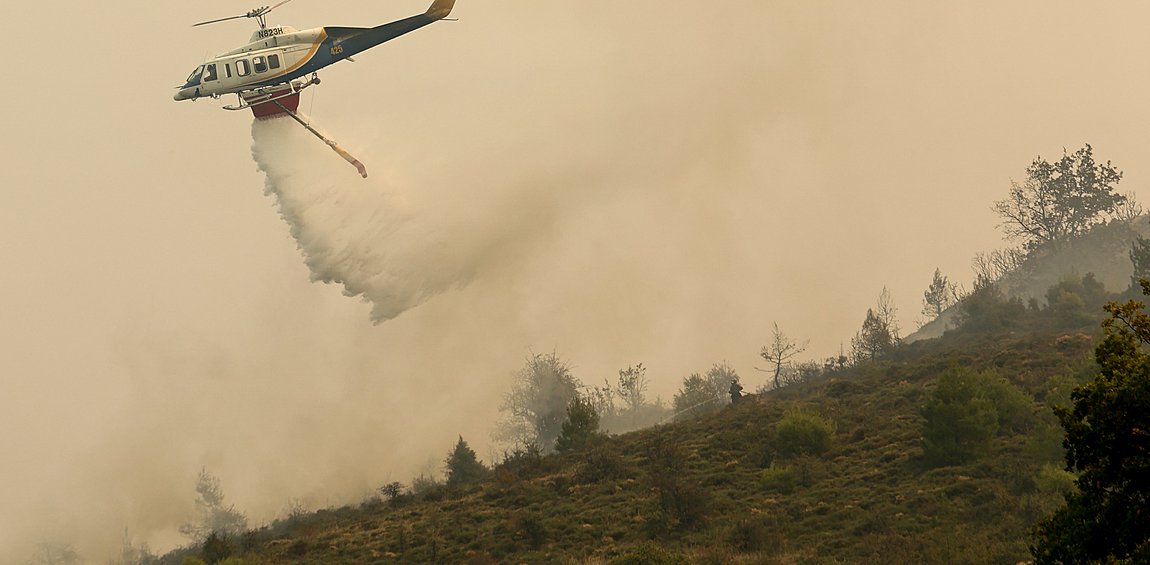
(265, 74)
(267, 68)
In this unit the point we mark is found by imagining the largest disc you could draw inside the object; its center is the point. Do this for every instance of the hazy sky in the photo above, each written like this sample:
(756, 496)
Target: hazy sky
(622, 182)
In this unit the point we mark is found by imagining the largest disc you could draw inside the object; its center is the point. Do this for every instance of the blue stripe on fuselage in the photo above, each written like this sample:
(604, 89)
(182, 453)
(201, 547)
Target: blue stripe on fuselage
(351, 42)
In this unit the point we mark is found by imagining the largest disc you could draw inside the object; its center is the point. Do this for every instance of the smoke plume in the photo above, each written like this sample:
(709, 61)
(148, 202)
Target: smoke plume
(392, 246)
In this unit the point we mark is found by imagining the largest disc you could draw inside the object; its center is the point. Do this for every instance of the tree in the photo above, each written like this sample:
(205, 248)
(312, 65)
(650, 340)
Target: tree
(393, 491)
(695, 397)
(1129, 210)
(874, 340)
(463, 467)
(780, 351)
(537, 403)
(632, 388)
(580, 428)
(703, 394)
(888, 315)
(1107, 518)
(960, 419)
(940, 295)
(1140, 258)
(990, 267)
(214, 517)
(1060, 200)
(1075, 300)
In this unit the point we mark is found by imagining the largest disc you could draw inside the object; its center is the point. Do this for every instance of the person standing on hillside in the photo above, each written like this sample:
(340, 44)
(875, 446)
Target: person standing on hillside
(736, 391)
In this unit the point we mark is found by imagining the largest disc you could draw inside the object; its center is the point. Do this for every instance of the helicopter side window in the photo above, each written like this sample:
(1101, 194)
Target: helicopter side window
(260, 64)
(228, 70)
(274, 61)
(210, 73)
(243, 67)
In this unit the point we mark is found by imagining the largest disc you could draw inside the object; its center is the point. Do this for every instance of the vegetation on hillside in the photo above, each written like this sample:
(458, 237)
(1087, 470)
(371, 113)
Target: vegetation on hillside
(1106, 519)
(898, 452)
(842, 468)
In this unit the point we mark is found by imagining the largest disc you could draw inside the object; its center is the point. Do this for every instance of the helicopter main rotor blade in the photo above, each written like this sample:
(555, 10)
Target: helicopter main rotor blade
(276, 6)
(219, 20)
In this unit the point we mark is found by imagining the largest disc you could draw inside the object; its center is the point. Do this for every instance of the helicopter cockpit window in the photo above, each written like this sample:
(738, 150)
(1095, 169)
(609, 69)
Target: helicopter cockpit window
(274, 61)
(210, 73)
(243, 67)
(260, 64)
(194, 78)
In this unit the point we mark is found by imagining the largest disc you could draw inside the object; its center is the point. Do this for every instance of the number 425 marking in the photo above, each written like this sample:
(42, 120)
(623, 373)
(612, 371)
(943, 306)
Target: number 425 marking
(337, 50)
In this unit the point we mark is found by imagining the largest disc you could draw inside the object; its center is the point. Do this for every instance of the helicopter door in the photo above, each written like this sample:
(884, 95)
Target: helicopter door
(211, 78)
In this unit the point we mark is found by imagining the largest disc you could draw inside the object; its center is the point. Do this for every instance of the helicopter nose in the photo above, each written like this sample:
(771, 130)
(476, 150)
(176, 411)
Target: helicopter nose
(181, 95)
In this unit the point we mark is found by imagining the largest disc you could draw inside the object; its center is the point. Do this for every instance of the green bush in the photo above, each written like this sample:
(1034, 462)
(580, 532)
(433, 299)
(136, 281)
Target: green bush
(600, 465)
(216, 549)
(777, 478)
(581, 428)
(803, 433)
(960, 420)
(1015, 408)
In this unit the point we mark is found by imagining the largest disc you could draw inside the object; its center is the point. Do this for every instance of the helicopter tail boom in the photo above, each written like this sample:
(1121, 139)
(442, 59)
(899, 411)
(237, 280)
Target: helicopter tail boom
(351, 41)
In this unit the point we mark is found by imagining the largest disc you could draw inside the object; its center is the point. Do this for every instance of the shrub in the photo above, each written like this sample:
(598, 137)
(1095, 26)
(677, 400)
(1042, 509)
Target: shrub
(600, 465)
(531, 526)
(216, 549)
(755, 534)
(960, 420)
(580, 428)
(777, 478)
(426, 488)
(681, 501)
(522, 459)
(803, 433)
(1015, 408)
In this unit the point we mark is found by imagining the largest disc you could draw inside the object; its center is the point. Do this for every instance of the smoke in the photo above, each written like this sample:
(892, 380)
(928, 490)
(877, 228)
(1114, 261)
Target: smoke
(652, 182)
(393, 246)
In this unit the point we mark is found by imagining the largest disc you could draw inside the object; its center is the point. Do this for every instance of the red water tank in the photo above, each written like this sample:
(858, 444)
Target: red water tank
(265, 106)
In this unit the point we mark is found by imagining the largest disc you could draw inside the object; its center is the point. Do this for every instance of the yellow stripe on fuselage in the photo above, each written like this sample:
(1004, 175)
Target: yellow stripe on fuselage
(311, 53)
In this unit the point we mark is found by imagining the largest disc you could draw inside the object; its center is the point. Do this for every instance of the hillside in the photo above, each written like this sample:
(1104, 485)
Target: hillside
(1104, 251)
(718, 489)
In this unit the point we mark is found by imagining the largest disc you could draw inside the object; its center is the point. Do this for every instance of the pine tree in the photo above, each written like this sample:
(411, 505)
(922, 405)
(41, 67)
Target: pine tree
(214, 517)
(463, 467)
(939, 296)
(1140, 257)
(874, 340)
(580, 428)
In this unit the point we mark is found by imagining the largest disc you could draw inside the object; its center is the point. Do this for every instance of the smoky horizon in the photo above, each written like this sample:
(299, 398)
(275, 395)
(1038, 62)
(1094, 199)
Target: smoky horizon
(618, 183)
